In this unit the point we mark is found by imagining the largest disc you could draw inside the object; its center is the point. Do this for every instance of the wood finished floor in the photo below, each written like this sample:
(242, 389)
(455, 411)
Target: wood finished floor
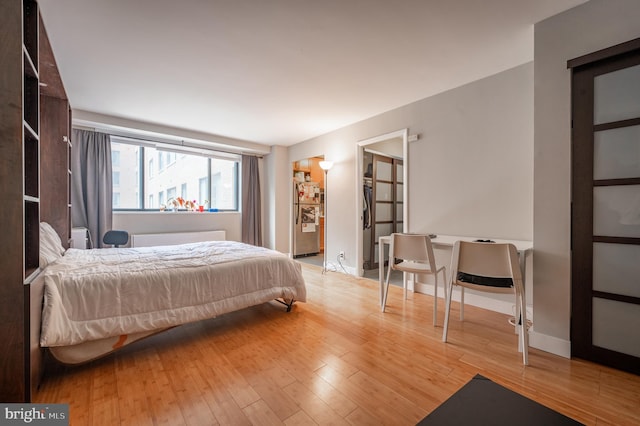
(333, 360)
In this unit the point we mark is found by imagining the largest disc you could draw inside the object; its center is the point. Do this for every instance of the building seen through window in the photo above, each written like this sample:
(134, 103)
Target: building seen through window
(204, 180)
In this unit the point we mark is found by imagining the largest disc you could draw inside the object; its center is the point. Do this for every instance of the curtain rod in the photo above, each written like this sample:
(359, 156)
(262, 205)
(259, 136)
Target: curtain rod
(151, 140)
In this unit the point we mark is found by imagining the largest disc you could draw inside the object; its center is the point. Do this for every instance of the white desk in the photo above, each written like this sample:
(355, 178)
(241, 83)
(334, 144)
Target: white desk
(445, 241)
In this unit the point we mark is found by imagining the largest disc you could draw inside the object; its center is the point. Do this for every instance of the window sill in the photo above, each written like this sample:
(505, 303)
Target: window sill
(171, 212)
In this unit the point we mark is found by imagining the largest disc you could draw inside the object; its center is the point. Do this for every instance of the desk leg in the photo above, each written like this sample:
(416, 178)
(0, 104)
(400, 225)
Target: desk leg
(381, 269)
(519, 326)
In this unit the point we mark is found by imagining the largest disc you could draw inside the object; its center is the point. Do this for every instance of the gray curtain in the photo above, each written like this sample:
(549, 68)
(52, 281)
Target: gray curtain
(91, 183)
(251, 205)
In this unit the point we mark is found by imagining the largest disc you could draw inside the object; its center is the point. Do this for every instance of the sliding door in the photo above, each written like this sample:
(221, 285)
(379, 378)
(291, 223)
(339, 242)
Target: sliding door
(605, 321)
(387, 203)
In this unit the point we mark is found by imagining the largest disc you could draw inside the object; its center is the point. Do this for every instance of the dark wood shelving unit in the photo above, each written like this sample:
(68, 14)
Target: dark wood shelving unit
(20, 185)
(35, 123)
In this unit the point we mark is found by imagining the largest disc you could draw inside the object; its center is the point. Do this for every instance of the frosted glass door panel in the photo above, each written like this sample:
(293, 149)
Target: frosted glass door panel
(383, 229)
(384, 212)
(616, 326)
(399, 212)
(384, 171)
(617, 153)
(616, 211)
(616, 268)
(399, 193)
(384, 191)
(617, 95)
(399, 173)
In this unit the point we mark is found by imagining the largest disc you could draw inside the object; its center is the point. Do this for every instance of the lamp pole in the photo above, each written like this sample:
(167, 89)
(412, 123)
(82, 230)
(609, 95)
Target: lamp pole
(326, 166)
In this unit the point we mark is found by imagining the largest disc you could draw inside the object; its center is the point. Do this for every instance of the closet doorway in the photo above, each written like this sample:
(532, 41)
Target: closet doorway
(382, 188)
(383, 202)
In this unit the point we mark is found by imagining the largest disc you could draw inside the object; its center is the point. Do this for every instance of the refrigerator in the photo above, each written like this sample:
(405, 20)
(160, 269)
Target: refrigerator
(306, 219)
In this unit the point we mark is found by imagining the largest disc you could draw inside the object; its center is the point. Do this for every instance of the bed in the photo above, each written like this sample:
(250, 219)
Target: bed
(97, 301)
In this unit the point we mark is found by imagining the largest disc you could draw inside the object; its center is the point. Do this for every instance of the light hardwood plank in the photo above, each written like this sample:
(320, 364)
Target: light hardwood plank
(335, 359)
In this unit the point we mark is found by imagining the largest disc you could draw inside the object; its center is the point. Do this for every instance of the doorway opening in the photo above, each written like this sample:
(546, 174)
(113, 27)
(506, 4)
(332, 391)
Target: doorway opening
(382, 202)
(308, 210)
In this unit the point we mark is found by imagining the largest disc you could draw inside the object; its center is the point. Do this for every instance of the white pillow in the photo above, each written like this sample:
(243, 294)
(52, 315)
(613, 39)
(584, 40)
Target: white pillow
(50, 245)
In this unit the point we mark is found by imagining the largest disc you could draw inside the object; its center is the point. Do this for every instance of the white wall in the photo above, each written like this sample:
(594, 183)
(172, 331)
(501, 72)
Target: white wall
(470, 173)
(595, 25)
(275, 198)
(158, 222)
(474, 159)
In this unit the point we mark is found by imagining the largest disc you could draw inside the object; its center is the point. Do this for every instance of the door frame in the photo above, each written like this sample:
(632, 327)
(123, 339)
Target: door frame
(360, 147)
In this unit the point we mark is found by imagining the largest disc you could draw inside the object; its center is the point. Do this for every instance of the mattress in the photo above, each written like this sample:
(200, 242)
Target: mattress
(91, 295)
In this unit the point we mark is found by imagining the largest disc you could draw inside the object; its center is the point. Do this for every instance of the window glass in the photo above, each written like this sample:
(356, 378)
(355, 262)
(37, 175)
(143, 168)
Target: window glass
(224, 182)
(186, 172)
(125, 174)
(169, 177)
(160, 161)
(203, 189)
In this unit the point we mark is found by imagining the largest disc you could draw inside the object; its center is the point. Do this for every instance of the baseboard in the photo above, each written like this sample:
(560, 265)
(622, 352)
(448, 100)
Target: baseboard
(550, 344)
(335, 267)
(540, 341)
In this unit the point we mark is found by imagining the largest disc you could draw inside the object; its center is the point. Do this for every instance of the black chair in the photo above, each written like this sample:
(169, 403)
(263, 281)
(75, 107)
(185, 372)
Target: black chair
(116, 238)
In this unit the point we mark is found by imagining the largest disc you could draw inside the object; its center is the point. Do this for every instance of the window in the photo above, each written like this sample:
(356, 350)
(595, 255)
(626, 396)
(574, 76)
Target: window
(171, 193)
(195, 177)
(126, 177)
(116, 200)
(115, 158)
(171, 158)
(203, 188)
(160, 161)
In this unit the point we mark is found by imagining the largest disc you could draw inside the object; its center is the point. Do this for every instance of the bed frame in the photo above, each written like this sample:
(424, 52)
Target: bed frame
(195, 281)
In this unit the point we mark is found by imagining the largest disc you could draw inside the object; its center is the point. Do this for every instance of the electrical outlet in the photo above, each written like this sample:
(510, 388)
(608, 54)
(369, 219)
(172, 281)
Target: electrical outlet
(341, 255)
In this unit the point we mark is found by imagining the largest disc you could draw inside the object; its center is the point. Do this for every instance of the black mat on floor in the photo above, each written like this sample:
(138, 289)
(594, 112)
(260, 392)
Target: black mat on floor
(483, 402)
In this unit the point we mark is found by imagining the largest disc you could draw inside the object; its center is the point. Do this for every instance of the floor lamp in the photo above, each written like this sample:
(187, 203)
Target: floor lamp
(325, 165)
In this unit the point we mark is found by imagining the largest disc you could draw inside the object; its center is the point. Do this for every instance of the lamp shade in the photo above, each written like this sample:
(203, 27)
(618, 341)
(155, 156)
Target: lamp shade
(325, 165)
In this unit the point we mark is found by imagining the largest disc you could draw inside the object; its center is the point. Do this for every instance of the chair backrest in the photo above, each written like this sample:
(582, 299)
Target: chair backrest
(413, 248)
(486, 265)
(115, 237)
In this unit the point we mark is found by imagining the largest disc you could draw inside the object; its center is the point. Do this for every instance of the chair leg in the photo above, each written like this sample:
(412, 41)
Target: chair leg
(461, 303)
(448, 294)
(524, 333)
(435, 300)
(404, 283)
(386, 289)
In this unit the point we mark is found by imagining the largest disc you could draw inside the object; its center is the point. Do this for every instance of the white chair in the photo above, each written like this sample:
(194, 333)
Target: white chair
(489, 267)
(416, 257)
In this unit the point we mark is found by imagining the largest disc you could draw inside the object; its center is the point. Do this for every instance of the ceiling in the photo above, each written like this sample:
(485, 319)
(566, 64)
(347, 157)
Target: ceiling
(278, 72)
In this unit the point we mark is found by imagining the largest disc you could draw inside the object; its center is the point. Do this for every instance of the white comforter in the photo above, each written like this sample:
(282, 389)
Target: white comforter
(93, 294)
